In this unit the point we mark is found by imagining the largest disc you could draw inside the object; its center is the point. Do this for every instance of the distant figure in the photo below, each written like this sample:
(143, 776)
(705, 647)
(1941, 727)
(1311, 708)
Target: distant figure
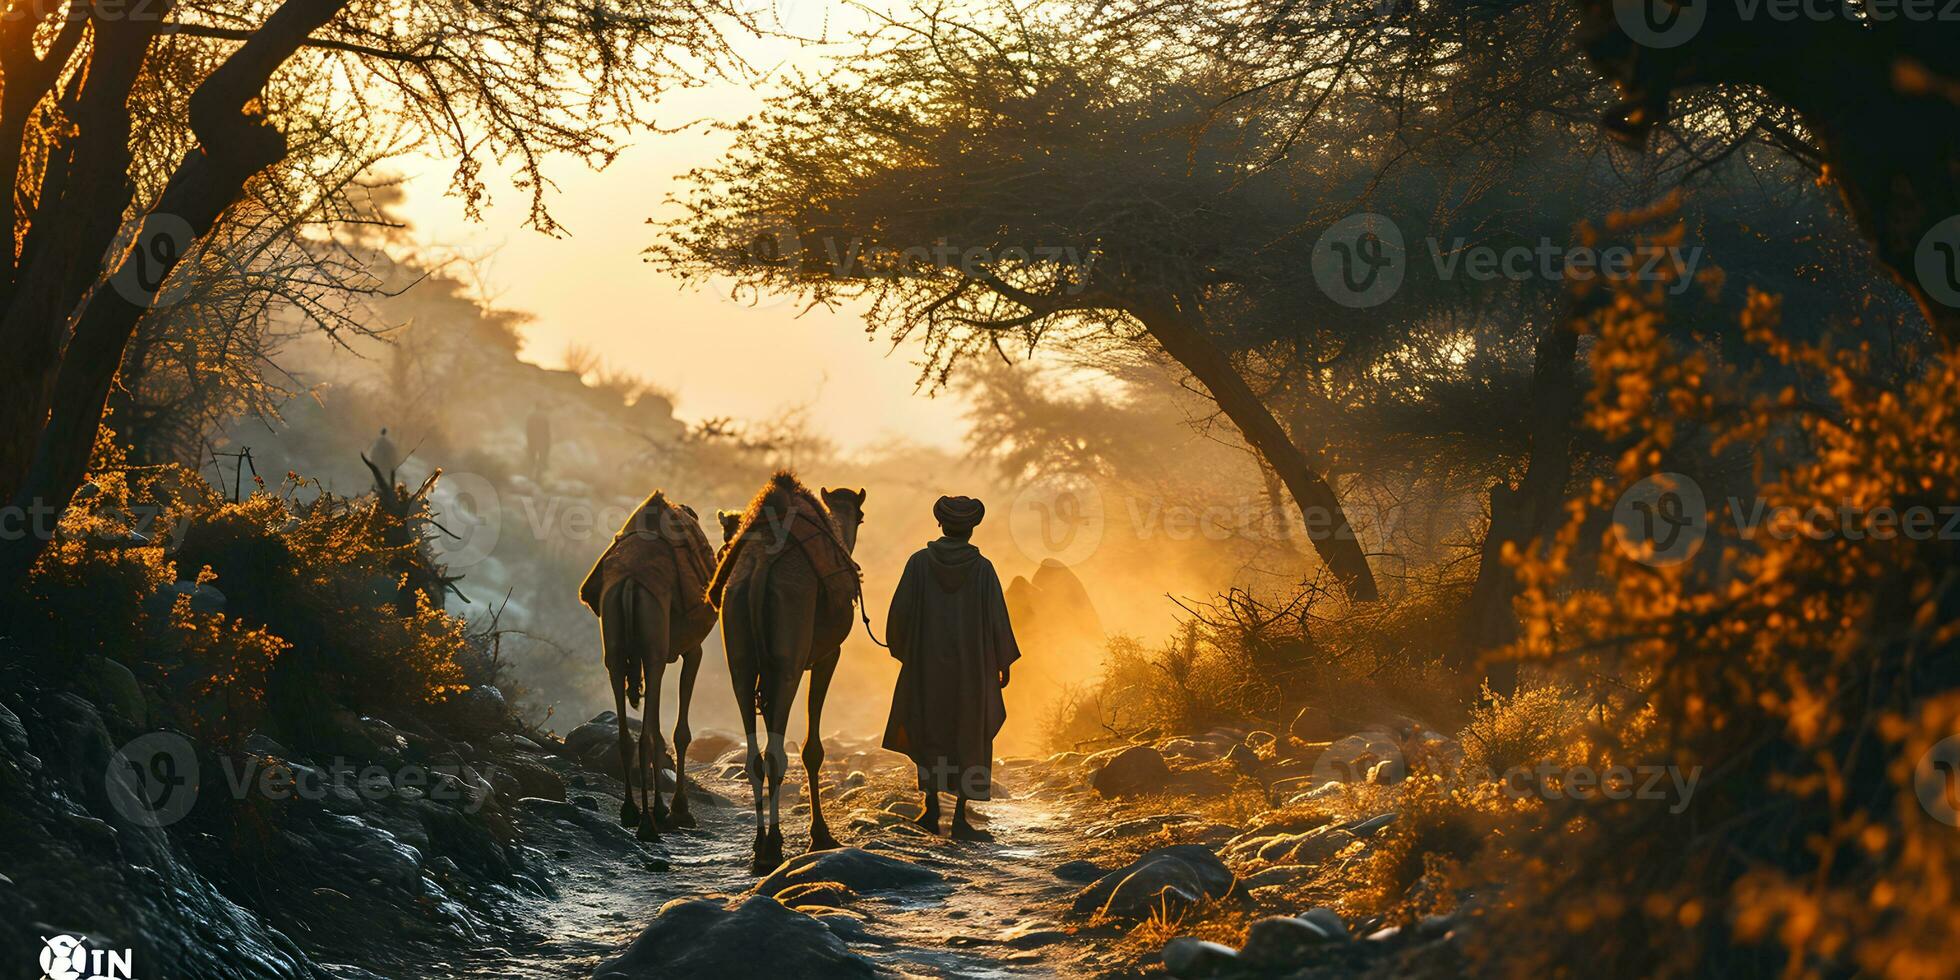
(385, 457)
(537, 440)
(950, 632)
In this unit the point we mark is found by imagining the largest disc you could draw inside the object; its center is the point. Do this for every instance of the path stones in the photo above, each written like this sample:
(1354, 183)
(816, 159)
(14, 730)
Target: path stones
(856, 869)
(758, 938)
(1281, 941)
(1137, 769)
(1079, 871)
(1284, 874)
(1327, 919)
(1168, 878)
(1188, 957)
(1369, 755)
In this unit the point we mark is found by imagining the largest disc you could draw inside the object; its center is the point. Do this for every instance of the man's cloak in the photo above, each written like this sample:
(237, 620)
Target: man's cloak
(950, 633)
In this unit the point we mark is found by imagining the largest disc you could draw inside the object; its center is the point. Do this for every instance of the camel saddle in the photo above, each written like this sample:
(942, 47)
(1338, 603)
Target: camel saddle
(663, 550)
(809, 530)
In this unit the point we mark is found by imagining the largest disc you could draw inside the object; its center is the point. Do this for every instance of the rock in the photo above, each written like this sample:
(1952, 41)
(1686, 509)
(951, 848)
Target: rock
(1188, 957)
(1189, 749)
(713, 743)
(1283, 874)
(1319, 845)
(758, 938)
(1177, 876)
(115, 688)
(602, 729)
(828, 894)
(1321, 792)
(261, 744)
(1137, 769)
(13, 734)
(1279, 941)
(1367, 828)
(517, 778)
(482, 707)
(854, 868)
(507, 742)
(1328, 920)
(1359, 756)
(1079, 871)
(1309, 847)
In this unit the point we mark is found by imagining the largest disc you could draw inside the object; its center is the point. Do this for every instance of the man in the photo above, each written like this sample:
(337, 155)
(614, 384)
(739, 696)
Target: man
(950, 633)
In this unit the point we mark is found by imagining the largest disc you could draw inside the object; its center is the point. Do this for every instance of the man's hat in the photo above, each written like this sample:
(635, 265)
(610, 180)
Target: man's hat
(958, 513)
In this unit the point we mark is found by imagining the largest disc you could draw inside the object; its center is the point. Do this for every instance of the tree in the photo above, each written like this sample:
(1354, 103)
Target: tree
(1016, 183)
(1878, 97)
(129, 132)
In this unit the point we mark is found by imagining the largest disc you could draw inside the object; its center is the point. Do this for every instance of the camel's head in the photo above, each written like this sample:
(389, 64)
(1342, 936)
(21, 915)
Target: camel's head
(731, 521)
(847, 506)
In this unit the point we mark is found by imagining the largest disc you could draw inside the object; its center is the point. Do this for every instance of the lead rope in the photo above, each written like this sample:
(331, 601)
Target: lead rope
(864, 611)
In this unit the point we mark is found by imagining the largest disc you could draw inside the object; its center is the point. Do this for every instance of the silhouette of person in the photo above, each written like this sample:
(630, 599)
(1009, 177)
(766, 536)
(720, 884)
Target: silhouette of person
(537, 440)
(385, 457)
(951, 636)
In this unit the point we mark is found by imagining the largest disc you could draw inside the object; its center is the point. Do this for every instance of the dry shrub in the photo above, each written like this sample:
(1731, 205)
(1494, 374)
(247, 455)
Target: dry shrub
(1247, 660)
(1417, 863)
(1211, 920)
(1807, 675)
(1541, 724)
(313, 600)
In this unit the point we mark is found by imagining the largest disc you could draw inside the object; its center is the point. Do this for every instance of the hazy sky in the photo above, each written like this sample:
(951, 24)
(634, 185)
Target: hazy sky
(719, 356)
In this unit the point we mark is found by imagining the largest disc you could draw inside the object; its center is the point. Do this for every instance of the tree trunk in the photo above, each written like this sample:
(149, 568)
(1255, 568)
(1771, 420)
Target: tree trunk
(82, 197)
(233, 146)
(1327, 524)
(1531, 512)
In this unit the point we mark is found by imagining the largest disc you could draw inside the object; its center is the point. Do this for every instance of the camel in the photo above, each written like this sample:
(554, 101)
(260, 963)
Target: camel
(786, 591)
(648, 591)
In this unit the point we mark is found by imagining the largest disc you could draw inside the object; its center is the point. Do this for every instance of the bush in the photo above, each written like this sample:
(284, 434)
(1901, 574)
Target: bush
(1806, 675)
(313, 614)
(1246, 660)
(1543, 724)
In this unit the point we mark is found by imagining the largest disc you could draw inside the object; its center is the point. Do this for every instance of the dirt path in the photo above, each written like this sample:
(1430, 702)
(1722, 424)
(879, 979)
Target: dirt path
(996, 914)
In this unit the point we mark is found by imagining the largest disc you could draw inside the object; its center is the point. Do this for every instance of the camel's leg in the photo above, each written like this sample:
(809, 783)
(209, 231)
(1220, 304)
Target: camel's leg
(690, 666)
(820, 839)
(613, 635)
(651, 618)
(789, 642)
(744, 672)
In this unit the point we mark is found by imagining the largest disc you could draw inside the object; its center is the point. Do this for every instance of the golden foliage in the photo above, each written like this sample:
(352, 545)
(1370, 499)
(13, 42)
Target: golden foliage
(1805, 673)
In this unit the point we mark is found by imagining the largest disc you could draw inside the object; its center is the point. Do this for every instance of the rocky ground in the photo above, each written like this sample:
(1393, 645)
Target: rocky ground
(1222, 854)
(1100, 864)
